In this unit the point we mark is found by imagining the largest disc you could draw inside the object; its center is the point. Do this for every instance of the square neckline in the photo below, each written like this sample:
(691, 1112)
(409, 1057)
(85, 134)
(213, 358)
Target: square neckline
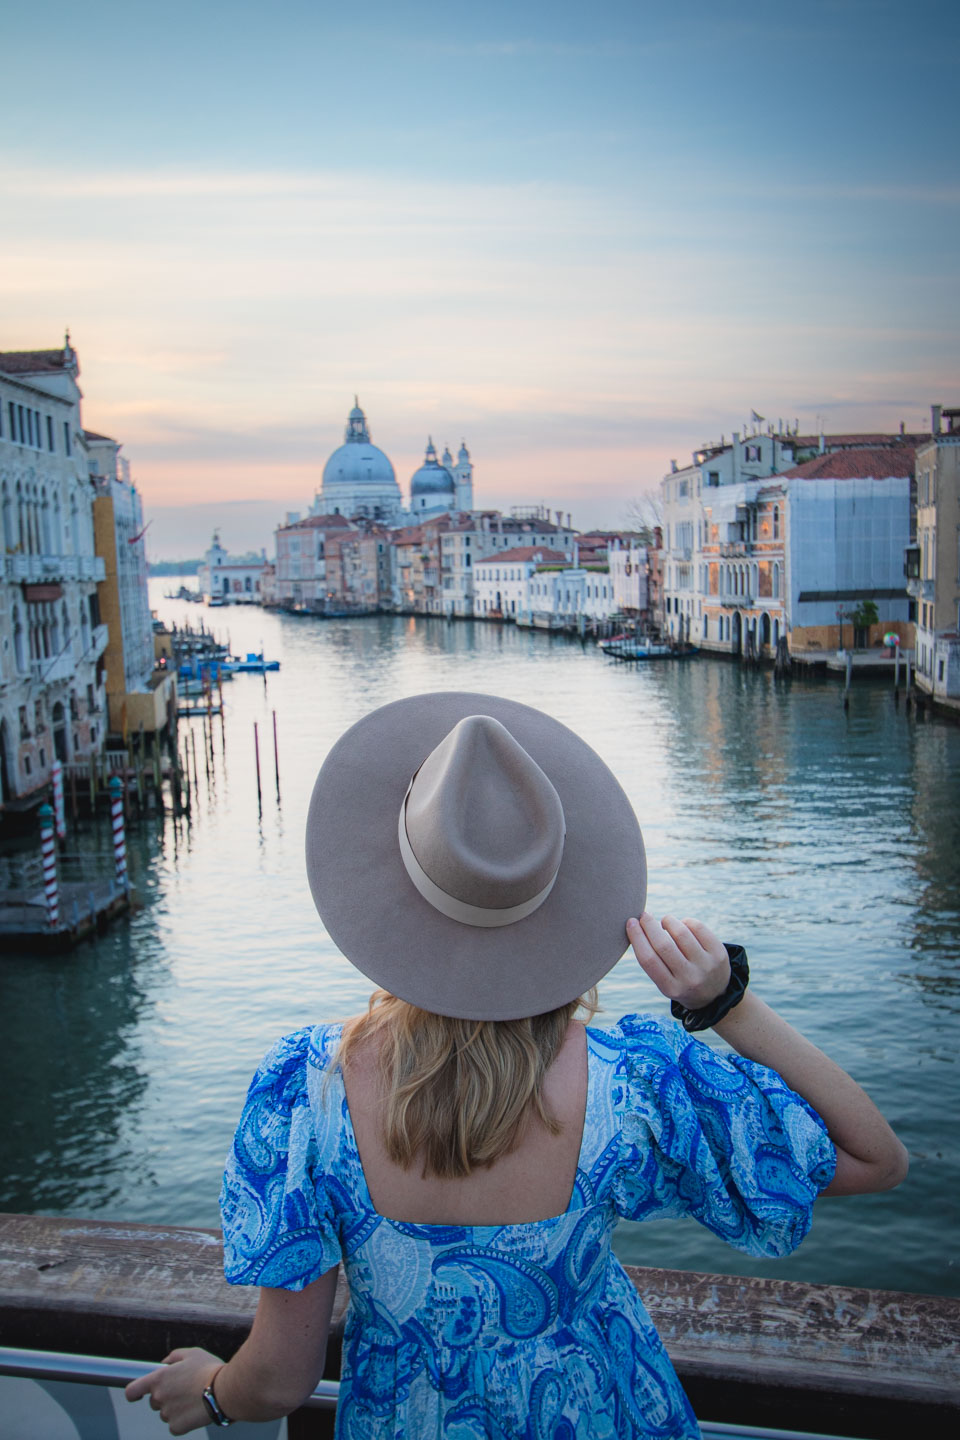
(457, 1224)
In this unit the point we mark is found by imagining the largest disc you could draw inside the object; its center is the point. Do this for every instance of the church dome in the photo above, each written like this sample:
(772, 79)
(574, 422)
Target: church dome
(432, 478)
(359, 478)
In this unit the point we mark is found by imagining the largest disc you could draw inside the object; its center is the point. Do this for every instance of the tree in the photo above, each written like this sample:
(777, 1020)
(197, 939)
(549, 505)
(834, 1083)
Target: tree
(862, 618)
(644, 514)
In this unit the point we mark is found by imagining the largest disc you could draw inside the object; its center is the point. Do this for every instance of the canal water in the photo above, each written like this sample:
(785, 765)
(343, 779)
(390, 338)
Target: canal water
(825, 841)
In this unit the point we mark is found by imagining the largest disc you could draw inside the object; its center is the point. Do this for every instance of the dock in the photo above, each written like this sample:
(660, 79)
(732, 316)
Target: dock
(86, 906)
(773, 1354)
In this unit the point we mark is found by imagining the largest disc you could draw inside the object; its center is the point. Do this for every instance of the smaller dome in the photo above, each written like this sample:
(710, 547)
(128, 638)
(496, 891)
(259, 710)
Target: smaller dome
(447, 457)
(432, 478)
(464, 455)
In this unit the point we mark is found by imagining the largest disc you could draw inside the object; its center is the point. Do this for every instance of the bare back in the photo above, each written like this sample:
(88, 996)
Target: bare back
(533, 1182)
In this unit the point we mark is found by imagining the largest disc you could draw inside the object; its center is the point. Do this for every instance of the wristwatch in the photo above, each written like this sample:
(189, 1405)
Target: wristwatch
(213, 1406)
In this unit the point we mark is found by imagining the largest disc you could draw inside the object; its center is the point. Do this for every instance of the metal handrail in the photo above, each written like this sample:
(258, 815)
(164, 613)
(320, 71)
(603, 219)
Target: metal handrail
(96, 1370)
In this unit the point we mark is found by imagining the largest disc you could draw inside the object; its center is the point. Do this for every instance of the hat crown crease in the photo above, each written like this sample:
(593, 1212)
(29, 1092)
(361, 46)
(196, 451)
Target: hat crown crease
(482, 818)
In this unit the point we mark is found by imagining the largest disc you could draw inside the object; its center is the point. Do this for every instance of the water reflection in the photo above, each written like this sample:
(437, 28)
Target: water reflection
(825, 840)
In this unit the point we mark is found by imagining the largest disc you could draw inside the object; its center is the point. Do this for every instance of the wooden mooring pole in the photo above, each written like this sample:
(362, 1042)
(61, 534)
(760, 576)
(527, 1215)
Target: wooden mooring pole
(58, 806)
(48, 853)
(256, 752)
(119, 833)
(276, 756)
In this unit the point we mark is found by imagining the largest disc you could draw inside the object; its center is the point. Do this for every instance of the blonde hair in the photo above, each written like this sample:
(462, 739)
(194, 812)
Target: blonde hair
(457, 1094)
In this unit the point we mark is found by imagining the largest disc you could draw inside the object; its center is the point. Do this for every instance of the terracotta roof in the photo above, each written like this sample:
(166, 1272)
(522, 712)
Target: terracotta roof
(319, 522)
(540, 553)
(31, 362)
(410, 535)
(839, 442)
(884, 462)
(92, 435)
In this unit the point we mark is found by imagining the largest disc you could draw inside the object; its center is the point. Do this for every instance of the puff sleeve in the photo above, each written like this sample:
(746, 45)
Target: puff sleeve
(279, 1227)
(716, 1137)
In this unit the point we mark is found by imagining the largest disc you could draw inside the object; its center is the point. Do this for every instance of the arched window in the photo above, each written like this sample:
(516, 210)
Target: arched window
(74, 526)
(44, 524)
(6, 511)
(57, 537)
(776, 580)
(67, 637)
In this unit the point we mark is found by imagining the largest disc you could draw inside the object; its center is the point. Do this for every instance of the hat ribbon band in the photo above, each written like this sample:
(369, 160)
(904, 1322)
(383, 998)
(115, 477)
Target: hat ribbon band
(449, 905)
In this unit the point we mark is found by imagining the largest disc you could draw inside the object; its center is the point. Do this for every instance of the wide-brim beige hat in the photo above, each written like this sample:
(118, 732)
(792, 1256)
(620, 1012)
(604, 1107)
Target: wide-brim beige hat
(473, 856)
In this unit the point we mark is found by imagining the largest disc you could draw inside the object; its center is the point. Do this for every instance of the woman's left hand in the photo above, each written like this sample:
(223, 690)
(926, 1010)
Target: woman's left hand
(176, 1389)
(683, 958)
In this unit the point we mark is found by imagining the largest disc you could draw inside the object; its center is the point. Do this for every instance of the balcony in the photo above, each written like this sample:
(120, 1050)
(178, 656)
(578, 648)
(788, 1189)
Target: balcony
(737, 548)
(98, 642)
(25, 568)
(739, 602)
(53, 669)
(92, 567)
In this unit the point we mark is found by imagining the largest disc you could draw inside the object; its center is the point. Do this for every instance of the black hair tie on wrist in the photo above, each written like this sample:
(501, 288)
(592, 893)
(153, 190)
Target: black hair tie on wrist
(708, 1016)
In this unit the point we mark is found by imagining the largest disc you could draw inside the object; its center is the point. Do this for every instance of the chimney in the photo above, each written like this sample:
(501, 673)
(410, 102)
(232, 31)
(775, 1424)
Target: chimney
(559, 514)
(673, 467)
(568, 520)
(903, 428)
(823, 444)
(936, 413)
(734, 455)
(576, 553)
(500, 522)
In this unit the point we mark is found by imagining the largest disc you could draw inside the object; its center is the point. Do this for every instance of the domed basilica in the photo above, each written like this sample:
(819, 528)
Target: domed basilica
(359, 480)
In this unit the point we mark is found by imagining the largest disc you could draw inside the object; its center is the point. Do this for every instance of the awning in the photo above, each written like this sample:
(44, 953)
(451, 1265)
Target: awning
(34, 593)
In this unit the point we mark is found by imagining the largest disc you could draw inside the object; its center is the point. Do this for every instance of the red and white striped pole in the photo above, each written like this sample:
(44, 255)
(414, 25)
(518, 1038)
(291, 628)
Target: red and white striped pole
(59, 811)
(119, 839)
(48, 851)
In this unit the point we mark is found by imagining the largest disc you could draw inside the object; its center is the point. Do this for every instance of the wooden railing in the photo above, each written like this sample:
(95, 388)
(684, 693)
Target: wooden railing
(775, 1353)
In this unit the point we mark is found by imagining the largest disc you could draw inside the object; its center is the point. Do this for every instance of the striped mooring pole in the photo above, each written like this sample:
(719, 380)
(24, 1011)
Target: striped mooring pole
(59, 810)
(119, 839)
(48, 851)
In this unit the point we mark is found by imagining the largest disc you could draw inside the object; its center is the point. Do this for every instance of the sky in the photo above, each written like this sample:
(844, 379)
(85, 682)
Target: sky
(584, 238)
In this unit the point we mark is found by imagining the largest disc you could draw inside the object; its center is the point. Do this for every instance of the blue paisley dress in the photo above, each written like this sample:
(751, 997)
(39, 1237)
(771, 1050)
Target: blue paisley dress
(520, 1332)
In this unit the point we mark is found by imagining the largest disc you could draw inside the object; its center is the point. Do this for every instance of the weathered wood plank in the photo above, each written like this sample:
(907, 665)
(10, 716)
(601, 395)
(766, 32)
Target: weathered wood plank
(775, 1352)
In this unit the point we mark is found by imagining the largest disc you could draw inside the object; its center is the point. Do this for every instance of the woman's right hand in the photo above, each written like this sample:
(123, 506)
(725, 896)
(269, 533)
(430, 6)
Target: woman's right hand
(683, 958)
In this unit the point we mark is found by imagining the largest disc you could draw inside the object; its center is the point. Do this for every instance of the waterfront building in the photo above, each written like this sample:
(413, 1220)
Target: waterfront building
(757, 547)
(933, 560)
(300, 580)
(434, 562)
(359, 481)
(358, 568)
(627, 559)
(52, 639)
(559, 595)
(502, 582)
(706, 507)
(236, 579)
(358, 478)
(656, 605)
(847, 520)
(439, 488)
(137, 694)
(407, 571)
